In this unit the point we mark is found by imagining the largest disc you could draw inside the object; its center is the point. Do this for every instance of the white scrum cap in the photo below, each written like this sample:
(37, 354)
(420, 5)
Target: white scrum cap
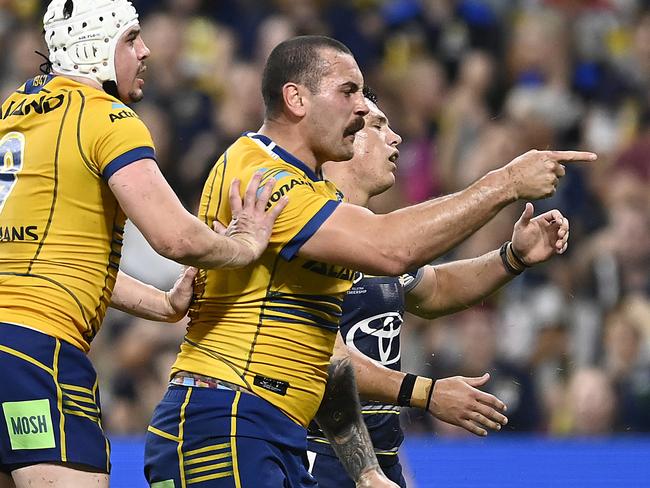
(82, 35)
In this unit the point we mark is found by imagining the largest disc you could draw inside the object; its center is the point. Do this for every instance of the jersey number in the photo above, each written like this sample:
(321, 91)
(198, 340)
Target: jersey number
(12, 153)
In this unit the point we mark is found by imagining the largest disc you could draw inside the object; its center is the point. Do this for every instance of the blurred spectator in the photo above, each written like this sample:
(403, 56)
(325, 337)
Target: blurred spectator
(627, 364)
(591, 403)
(477, 353)
(465, 117)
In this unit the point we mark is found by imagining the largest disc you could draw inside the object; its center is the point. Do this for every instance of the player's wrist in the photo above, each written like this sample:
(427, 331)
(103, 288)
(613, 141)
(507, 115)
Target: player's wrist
(415, 391)
(512, 262)
(241, 252)
(518, 256)
(167, 307)
(370, 477)
(504, 181)
(171, 313)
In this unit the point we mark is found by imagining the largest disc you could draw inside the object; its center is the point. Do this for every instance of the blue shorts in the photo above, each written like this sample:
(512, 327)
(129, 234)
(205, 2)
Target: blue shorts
(50, 403)
(209, 437)
(330, 473)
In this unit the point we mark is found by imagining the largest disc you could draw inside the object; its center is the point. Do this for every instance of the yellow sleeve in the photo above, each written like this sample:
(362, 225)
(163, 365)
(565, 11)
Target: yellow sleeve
(308, 208)
(114, 137)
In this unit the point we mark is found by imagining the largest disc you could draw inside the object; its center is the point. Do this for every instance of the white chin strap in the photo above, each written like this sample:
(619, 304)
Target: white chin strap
(82, 36)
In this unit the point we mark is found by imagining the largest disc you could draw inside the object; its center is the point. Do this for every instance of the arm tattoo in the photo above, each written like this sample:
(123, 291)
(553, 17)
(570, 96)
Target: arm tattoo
(340, 418)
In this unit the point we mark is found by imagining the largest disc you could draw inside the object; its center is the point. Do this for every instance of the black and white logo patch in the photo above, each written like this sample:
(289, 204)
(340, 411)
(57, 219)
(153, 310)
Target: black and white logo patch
(377, 337)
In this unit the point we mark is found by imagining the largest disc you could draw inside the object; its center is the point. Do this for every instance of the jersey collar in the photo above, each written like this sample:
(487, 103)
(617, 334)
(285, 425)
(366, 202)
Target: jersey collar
(285, 155)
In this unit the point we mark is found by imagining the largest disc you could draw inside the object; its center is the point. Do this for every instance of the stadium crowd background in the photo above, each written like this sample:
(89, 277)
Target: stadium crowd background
(469, 84)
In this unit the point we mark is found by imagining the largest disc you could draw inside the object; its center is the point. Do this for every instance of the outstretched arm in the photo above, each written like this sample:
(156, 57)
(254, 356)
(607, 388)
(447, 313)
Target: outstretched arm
(148, 302)
(455, 286)
(150, 203)
(411, 237)
(339, 416)
(455, 400)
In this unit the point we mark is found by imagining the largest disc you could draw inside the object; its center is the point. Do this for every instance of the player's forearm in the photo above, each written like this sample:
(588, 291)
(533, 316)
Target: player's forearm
(424, 232)
(195, 244)
(460, 284)
(378, 383)
(142, 300)
(375, 382)
(340, 419)
(148, 200)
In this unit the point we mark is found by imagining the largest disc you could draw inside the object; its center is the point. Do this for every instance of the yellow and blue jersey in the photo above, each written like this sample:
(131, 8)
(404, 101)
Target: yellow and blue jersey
(60, 225)
(271, 326)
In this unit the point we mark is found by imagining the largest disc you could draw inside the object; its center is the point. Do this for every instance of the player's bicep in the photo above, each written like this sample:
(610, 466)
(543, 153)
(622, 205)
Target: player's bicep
(351, 237)
(419, 298)
(148, 200)
(113, 137)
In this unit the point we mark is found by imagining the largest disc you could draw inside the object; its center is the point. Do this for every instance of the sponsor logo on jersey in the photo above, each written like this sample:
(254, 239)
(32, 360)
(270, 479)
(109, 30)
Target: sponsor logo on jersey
(23, 233)
(406, 280)
(330, 270)
(41, 80)
(286, 187)
(271, 384)
(127, 113)
(357, 289)
(385, 329)
(43, 105)
(29, 424)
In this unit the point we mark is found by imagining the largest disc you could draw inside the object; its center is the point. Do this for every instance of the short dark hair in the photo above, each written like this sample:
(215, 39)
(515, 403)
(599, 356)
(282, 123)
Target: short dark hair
(370, 94)
(295, 60)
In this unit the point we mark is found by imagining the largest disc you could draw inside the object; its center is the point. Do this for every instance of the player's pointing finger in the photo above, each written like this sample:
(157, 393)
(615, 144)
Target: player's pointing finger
(570, 156)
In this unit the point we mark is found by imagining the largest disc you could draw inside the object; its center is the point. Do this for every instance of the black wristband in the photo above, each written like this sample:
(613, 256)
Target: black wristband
(406, 390)
(518, 260)
(433, 384)
(503, 252)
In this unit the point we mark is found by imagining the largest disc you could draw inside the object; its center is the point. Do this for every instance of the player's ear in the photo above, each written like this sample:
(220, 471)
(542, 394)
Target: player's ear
(293, 100)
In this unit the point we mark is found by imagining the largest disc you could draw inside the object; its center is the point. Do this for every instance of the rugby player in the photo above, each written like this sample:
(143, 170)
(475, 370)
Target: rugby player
(75, 161)
(255, 360)
(374, 307)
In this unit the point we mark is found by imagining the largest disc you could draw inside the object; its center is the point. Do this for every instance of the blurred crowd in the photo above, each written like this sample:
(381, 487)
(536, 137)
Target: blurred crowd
(468, 84)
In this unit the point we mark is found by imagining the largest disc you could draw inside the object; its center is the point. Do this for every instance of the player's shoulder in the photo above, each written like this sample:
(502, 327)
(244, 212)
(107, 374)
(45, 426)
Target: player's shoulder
(38, 95)
(105, 108)
(104, 115)
(91, 97)
(252, 153)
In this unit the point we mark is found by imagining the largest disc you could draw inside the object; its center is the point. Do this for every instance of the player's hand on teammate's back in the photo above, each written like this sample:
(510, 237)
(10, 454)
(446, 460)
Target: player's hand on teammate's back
(180, 296)
(375, 479)
(537, 239)
(458, 401)
(535, 174)
(251, 224)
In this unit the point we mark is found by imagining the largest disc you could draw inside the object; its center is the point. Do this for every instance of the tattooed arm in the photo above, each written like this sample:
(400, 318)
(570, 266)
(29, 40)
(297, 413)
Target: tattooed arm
(340, 418)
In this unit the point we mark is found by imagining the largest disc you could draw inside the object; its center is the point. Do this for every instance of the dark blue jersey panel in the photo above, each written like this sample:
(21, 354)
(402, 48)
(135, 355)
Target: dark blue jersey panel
(373, 312)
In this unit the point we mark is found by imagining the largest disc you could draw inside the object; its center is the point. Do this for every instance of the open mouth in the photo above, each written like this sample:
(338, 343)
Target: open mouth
(393, 158)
